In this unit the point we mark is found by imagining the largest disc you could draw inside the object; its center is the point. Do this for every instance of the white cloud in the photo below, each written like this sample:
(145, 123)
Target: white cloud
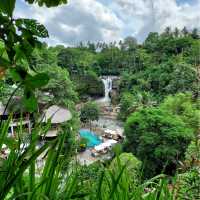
(95, 20)
(79, 20)
(155, 15)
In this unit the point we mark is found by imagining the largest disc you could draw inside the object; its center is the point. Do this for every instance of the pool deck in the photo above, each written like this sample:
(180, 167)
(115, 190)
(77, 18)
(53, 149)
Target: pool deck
(98, 127)
(85, 158)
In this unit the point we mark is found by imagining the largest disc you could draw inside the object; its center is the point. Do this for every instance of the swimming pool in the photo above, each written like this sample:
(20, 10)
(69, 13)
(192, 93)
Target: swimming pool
(92, 139)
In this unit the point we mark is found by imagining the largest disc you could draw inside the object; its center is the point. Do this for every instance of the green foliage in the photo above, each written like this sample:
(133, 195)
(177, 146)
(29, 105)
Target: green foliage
(20, 37)
(165, 64)
(167, 44)
(169, 65)
(43, 56)
(192, 155)
(101, 183)
(113, 60)
(184, 106)
(88, 85)
(89, 112)
(21, 179)
(162, 80)
(118, 185)
(82, 64)
(109, 61)
(126, 105)
(188, 184)
(75, 182)
(5, 91)
(88, 176)
(48, 3)
(18, 161)
(76, 60)
(133, 165)
(7, 7)
(158, 138)
(131, 102)
(60, 89)
(33, 26)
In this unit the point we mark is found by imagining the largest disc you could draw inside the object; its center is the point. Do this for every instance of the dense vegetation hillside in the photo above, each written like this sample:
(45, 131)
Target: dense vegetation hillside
(158, 95)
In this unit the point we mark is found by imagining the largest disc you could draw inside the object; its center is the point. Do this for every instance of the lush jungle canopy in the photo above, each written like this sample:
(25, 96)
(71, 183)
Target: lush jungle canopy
(157, 92)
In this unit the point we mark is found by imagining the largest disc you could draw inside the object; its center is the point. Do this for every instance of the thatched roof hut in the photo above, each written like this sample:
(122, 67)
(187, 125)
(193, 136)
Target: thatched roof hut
(57, 115)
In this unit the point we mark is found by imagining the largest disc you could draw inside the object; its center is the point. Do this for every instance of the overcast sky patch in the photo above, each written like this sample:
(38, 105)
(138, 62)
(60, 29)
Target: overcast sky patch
(111, 20)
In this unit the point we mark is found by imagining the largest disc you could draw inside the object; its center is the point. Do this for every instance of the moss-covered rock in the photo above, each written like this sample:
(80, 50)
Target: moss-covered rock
(114, 95)
(115, 83)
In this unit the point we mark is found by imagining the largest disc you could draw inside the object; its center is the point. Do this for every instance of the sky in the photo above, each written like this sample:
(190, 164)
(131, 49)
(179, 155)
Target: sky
(110, 20)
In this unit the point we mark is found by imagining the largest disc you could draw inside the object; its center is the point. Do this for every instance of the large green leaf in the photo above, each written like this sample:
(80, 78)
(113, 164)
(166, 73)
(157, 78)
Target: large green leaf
(19, 53)
(32, 27)
(4, 63)
(37, 81)
(7, 6)
(18, 74)
(48, 3)
(30, 101)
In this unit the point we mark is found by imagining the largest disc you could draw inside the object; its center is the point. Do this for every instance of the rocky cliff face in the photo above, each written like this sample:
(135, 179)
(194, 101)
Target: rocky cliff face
(114, 94)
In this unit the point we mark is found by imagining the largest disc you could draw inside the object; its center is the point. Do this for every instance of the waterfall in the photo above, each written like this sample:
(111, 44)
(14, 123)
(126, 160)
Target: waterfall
(105, 122)
(107, 81)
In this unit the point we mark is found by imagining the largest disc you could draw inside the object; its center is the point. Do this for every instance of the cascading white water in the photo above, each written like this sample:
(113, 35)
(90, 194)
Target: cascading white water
(107, 81)
(104, 122)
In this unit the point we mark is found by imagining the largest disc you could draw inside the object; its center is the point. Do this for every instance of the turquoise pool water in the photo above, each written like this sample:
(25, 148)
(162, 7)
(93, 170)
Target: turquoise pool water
(92, 139)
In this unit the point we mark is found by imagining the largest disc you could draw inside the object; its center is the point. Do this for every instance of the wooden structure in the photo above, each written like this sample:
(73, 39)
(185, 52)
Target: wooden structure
(18, 119)
(57, 115)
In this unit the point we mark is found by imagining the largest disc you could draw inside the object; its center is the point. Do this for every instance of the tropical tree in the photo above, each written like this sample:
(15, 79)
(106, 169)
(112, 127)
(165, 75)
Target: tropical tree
(184, 106)
(127, 105)
(151, 41)
(164, 79)
(76, 60)
(89, 112)
(185, 31)
(158, 138)
(129, 44)
(60, 90)
(131, 102)
(176, 32)
(195, 33)
(167, 32)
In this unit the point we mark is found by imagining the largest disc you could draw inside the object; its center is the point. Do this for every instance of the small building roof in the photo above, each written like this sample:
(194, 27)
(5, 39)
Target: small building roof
(57, 115)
